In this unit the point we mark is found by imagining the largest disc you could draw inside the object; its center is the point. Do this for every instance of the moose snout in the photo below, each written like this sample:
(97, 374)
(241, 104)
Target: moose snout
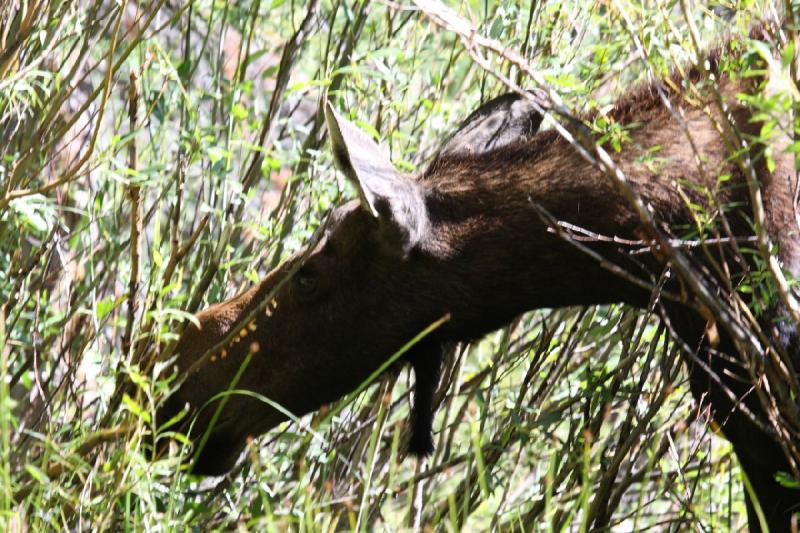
(223, 352)
(217, 438)
(214, 446)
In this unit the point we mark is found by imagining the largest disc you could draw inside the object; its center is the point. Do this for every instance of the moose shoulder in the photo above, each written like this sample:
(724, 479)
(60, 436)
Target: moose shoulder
(479, 237)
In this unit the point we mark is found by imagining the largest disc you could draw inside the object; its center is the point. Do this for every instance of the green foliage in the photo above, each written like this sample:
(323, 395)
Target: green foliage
(545, 425)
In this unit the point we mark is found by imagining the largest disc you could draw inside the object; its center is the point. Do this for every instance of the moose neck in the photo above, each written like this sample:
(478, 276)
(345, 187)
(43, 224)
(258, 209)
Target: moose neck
(489, 215)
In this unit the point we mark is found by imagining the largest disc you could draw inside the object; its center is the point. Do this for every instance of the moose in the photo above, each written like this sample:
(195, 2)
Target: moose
(488, 231)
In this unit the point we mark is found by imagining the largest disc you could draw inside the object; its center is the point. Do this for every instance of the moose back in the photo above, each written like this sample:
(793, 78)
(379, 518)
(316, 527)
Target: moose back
(479, 238)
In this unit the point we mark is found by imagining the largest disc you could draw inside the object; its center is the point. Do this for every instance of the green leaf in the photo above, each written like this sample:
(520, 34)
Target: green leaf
(786, 480)
(239, 112)
(106, 305)
(35, 211)
(37, 473)
(369, 129)
(134, 408)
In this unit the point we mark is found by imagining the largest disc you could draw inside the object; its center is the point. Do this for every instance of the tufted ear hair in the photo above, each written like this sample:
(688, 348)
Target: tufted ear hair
(390, 196)
(504, 120)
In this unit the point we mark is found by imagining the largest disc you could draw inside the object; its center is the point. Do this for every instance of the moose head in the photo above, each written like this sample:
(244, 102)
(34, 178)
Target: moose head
(377, 274)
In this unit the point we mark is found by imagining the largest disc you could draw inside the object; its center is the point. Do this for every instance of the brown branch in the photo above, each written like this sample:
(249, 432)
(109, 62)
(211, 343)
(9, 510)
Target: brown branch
(136, 212)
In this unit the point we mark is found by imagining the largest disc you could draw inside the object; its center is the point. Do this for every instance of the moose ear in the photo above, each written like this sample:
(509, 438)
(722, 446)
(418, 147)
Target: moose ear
(504, 120)
(364, 162)
(388, 195)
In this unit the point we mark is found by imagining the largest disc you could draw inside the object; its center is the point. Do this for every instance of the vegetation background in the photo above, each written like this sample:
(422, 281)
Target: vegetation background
(159, 156)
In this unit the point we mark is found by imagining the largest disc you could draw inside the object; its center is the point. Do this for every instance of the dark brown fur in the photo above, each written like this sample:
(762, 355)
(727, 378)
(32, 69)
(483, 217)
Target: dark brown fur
(467, 239)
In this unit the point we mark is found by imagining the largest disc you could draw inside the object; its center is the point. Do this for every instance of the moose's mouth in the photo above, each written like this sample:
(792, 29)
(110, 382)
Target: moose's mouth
(221, 448)
(226, 441)
(221, 445)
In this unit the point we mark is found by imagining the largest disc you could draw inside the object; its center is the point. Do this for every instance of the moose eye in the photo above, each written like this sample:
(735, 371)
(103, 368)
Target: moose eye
(305, 281)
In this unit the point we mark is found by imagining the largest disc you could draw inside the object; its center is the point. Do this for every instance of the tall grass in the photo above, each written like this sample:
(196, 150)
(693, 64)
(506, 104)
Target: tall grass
(160, 156)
